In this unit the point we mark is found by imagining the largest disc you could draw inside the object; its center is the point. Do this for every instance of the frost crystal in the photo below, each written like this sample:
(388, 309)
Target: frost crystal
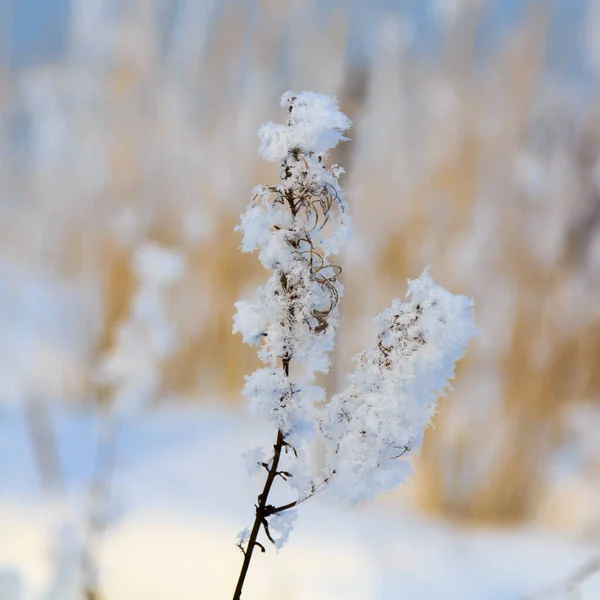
(393, 390)
(255, 458)
(315, 125)
(282, 523)
(290, 407)
(242, 537)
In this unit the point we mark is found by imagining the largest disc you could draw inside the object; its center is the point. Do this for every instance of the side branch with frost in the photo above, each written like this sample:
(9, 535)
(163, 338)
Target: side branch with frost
(295, 226)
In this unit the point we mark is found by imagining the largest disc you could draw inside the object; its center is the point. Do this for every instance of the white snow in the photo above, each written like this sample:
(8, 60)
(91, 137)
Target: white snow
(315, 125)
(185, 495)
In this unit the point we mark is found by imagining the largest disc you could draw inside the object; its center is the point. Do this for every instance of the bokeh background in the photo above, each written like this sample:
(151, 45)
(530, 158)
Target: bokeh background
(475, 149)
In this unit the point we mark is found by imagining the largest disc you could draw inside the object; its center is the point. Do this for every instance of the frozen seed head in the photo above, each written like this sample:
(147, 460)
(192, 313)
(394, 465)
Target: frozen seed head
(315, 124)
(393, 390)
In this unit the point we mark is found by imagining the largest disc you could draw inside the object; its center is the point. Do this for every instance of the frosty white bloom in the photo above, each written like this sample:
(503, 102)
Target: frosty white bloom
(242, 537)
(295, 313)
(251, 321)
(315, 125)
(290, 407)
(269, 391)
(261, 216)
(282, 525)
(393, 390)
(255, 459)
(293, 316)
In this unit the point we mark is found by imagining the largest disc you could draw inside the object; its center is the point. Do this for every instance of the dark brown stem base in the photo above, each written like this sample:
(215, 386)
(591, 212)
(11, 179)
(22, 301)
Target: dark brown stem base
(263, 510)
(260, 517)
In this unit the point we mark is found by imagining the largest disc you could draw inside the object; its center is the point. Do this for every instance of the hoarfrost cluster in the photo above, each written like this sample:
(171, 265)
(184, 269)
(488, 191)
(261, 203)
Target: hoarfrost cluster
(393, 390)
(295, 226)
(282, 524)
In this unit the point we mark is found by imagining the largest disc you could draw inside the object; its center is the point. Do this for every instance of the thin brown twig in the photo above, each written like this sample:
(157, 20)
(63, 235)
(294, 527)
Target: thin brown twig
(261, 508)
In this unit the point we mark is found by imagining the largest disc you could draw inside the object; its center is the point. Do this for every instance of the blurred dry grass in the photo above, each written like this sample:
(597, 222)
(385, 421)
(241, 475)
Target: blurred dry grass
(147, 144)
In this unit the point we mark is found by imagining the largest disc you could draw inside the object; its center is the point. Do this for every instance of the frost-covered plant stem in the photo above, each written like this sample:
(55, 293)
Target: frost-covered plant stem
(302, 294)
(263, 509)
(391, 395)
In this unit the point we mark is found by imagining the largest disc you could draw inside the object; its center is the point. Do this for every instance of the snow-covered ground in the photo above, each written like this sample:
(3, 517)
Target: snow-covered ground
(182, 495)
